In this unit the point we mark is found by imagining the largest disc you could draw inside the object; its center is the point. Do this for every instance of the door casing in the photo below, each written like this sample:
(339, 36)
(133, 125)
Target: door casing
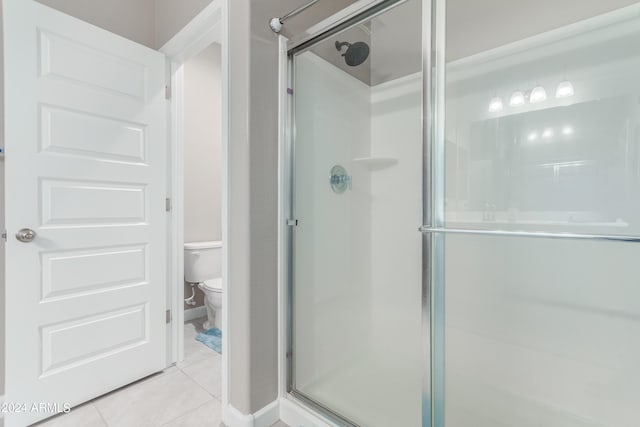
(209, 26)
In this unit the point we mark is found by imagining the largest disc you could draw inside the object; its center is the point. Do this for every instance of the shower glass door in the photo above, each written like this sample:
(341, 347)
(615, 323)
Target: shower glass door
(355, 290)
(540, 313)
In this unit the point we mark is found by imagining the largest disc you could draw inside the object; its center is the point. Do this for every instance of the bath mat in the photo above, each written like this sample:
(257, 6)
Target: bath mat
(212, 338)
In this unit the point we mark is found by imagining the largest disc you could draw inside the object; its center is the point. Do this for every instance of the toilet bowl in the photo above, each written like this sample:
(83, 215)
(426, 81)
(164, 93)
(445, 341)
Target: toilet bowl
(203, 266)
(213, 301)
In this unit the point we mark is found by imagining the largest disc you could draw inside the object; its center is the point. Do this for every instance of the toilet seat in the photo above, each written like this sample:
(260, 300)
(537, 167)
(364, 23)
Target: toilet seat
(213, 285)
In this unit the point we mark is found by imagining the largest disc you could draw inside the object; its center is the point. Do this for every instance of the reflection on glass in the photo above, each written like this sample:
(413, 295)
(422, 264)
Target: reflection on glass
(563, 154)
(517, 98)
(565, 89)
(495, 105)
(538, 94)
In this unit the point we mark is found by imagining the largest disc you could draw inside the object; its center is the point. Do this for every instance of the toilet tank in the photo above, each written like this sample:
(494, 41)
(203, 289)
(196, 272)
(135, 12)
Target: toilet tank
(202, 261)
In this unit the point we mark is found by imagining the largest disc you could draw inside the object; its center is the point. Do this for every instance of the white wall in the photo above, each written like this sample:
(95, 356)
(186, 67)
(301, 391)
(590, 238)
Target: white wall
(202, 148)
(396, 258)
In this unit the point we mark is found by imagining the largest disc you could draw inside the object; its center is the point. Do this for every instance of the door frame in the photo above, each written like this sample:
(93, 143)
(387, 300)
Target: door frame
(211, 25)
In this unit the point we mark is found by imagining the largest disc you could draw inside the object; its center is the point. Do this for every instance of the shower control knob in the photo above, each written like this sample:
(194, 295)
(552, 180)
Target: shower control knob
(26, 235)
(339, 179)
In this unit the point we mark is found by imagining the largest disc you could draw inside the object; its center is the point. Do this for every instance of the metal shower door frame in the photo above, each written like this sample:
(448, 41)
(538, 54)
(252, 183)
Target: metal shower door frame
(433, 203)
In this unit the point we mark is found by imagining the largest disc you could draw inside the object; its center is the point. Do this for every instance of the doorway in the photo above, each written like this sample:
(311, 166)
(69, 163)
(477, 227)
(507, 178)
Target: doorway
(202, 210)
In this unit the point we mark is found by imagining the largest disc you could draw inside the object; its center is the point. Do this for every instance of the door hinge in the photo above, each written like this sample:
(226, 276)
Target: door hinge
(4, 235)
(290, 91)
(168, 316)
(292, 222)
(167, 91)
(167, 204)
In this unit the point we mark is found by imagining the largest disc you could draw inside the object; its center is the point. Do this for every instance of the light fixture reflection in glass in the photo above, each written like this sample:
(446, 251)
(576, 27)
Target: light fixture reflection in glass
(532, 136)
(495, 104)
(517, 98)
(547, 133)
(567, 130)
(565, 89)
(538, 94)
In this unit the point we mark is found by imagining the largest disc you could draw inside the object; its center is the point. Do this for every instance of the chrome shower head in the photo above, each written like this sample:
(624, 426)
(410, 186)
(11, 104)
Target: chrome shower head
(355, 54)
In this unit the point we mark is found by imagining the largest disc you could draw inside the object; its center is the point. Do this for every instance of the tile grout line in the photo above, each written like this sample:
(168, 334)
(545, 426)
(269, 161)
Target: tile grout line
(178, 371)
(199, 385)
(204, 350)
(185, 413)
(104, 420)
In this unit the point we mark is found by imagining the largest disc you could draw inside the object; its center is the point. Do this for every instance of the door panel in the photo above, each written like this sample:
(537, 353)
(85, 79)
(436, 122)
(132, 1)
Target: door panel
(102, 70)
(356, 249)
(86, 170)
(117, 140)
(540, 316)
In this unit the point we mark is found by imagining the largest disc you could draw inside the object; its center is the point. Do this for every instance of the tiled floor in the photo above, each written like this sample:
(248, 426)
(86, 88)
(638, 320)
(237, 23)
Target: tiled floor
(186, 395)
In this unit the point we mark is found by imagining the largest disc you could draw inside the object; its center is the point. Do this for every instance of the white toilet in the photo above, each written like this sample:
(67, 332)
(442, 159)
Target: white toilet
(203, 265)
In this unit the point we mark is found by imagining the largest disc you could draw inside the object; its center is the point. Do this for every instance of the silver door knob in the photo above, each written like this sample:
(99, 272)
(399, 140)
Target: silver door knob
(26, 235)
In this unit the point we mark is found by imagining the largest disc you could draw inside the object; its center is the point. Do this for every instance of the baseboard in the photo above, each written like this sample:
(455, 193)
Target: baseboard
(296, 415)
(235, 418)
(194, 313)
(265, 417)
(291, 412)
(268, 415)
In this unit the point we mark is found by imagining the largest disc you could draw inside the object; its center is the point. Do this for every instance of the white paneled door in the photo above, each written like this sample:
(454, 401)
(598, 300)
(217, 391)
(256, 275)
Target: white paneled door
(86, 171)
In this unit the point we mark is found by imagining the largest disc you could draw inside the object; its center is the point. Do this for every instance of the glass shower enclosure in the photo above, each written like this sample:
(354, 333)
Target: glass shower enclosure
(464, 215)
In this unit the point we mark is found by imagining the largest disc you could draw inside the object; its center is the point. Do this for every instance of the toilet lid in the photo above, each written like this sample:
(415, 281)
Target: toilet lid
(213, 284)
